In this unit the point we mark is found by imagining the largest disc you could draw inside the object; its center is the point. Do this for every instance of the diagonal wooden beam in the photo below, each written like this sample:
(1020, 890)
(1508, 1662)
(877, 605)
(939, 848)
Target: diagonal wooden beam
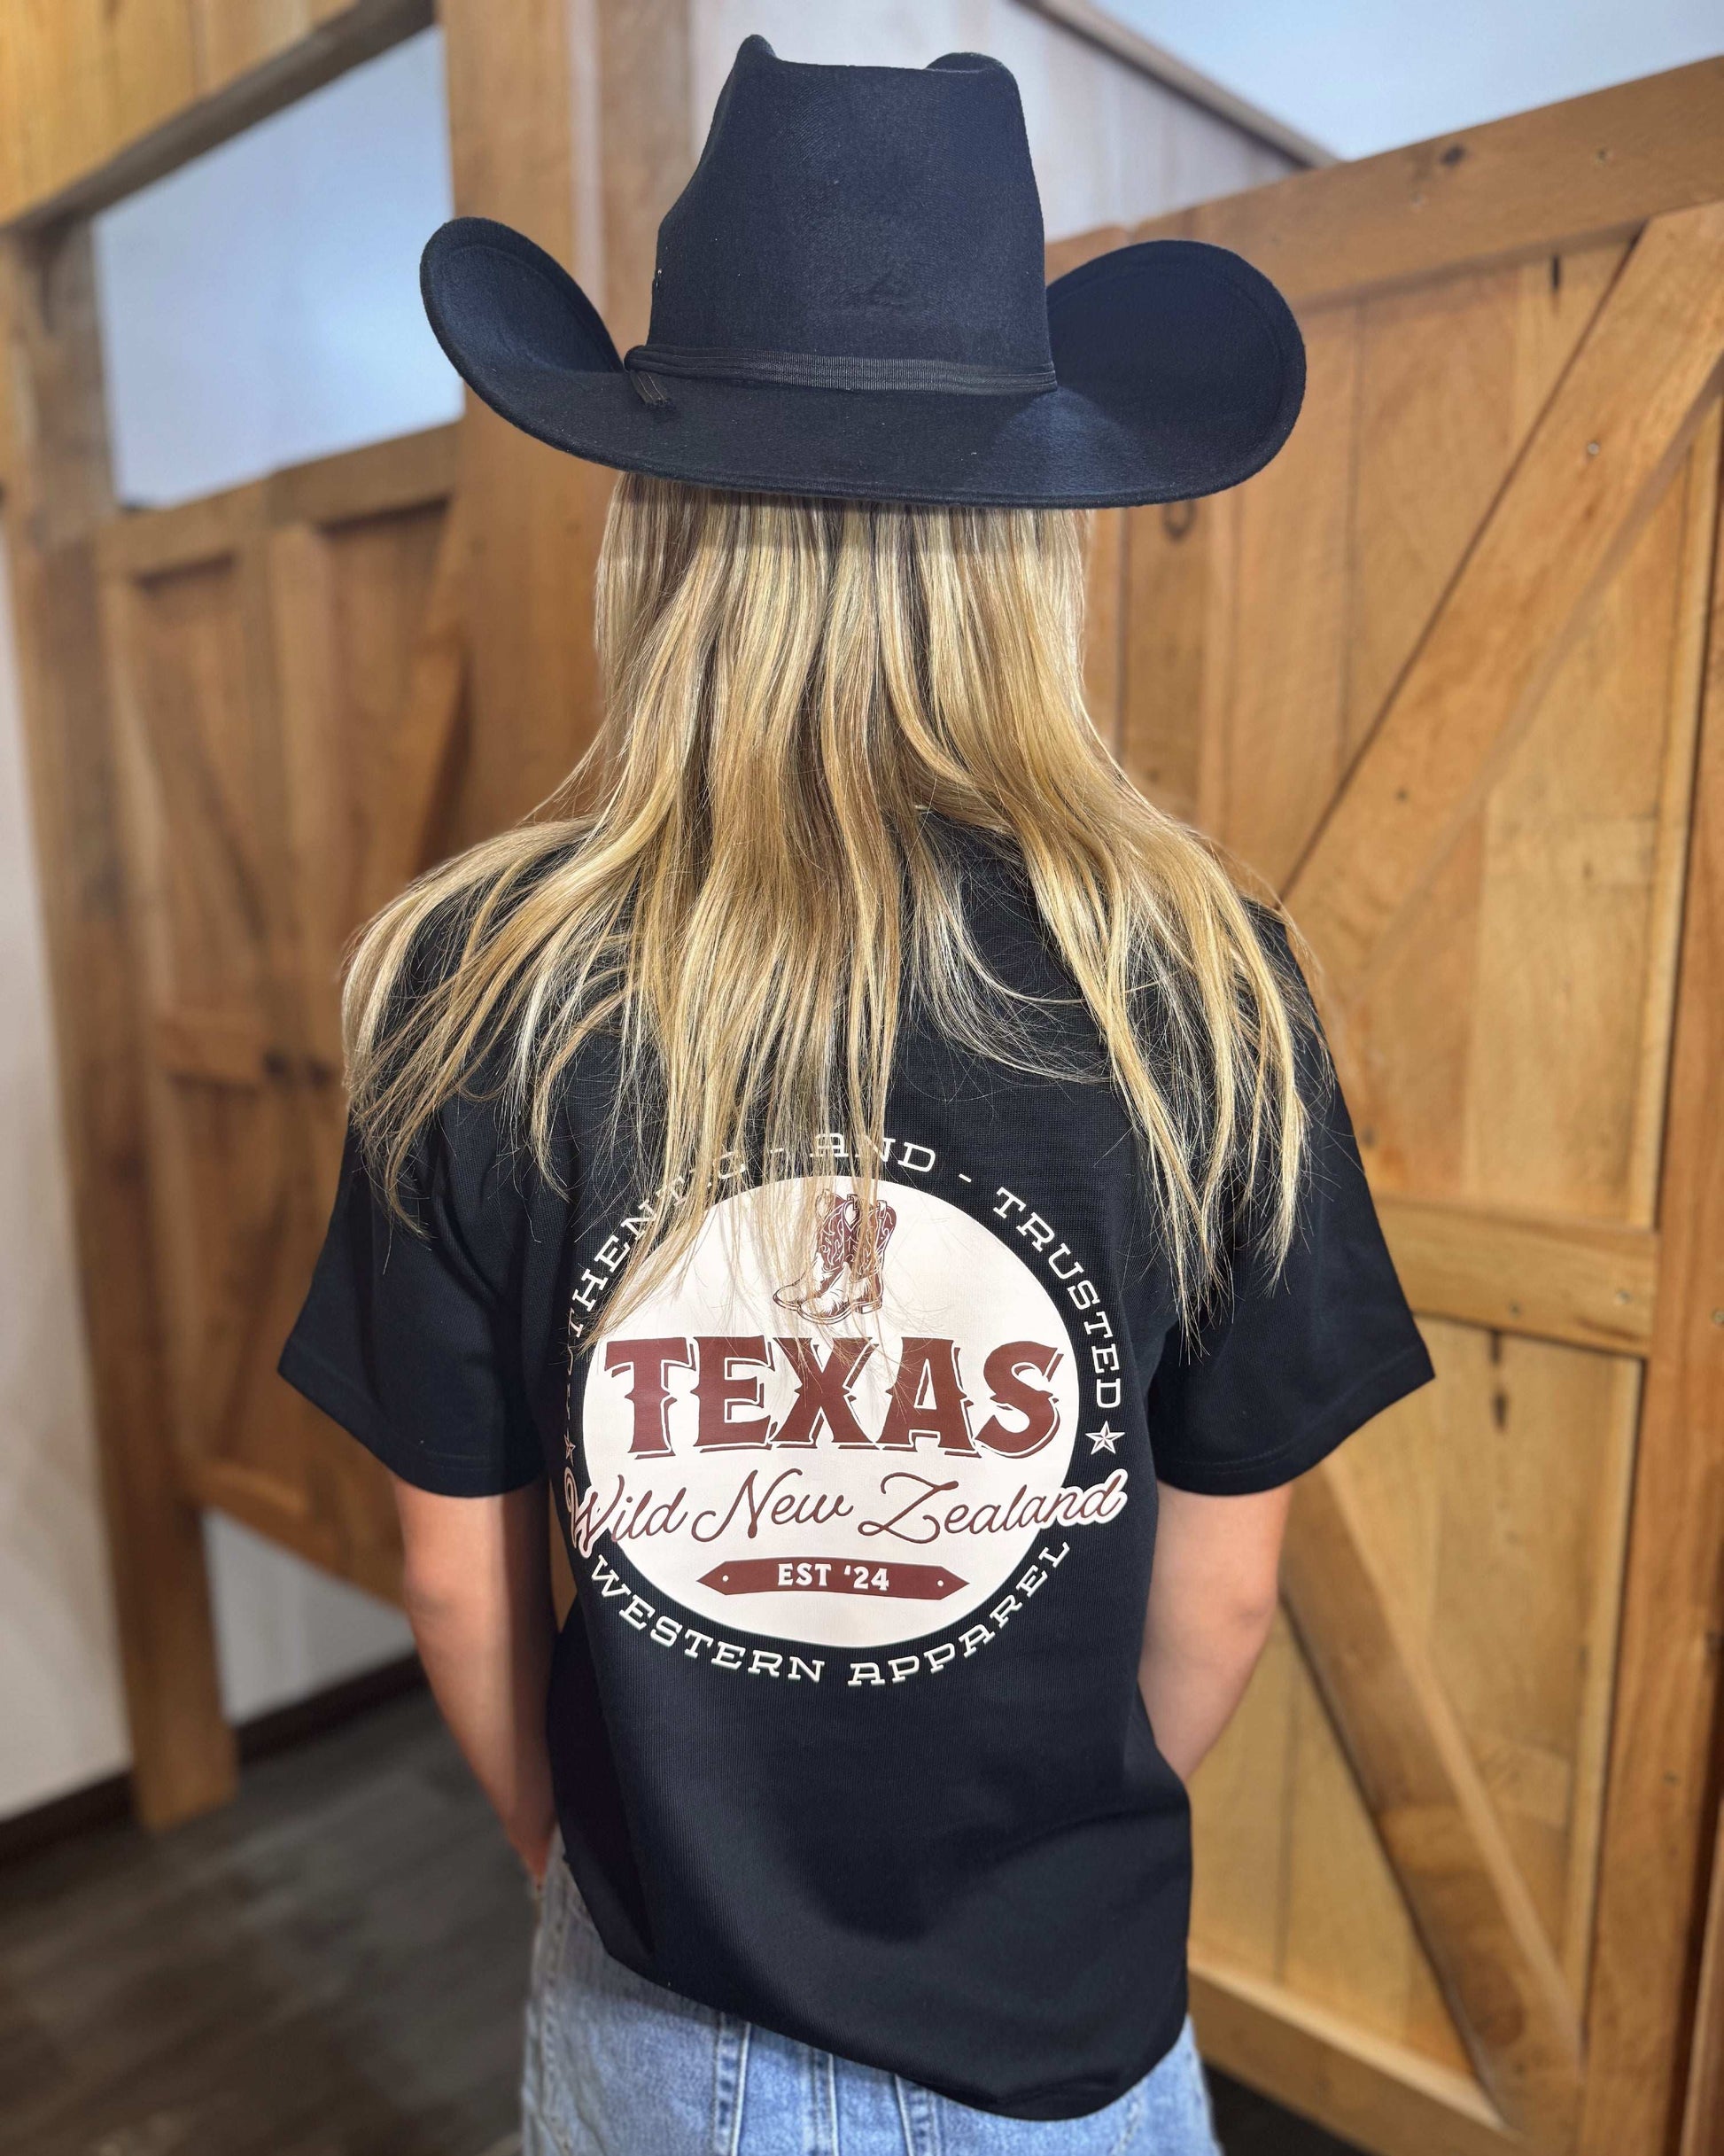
(1592, 471)
(428, 730)
(1434, 1814)
(1368, 2089)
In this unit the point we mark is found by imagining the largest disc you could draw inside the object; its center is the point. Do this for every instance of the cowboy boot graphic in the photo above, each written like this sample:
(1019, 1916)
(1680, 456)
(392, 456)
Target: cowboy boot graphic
(849, 1247)
(869, 1240)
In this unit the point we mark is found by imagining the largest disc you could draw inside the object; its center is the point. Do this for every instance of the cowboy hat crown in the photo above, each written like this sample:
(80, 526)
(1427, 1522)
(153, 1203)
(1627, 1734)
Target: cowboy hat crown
(849, 300)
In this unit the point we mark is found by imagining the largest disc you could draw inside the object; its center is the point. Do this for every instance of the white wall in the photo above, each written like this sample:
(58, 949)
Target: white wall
(1362, 76)
(284, 1629)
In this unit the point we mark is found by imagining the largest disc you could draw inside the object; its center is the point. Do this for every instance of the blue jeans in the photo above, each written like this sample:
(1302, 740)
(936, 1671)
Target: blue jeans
(617, 2066)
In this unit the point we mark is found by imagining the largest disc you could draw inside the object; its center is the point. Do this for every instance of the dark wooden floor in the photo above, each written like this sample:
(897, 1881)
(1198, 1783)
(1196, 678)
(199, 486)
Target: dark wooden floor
(333, 1966)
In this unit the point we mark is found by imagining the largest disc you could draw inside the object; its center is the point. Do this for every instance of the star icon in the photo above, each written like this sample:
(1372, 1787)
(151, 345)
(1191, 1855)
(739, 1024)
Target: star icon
(1105, 1439)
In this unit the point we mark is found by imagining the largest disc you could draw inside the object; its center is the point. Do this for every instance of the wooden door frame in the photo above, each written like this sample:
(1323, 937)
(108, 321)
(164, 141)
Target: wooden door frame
(56, 492)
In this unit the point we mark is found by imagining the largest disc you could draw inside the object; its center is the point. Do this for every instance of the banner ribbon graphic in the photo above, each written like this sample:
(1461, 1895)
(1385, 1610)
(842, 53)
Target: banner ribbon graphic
(832, 1576)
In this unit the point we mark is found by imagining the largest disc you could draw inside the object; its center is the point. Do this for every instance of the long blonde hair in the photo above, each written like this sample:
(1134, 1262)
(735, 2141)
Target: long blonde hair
(796, 693)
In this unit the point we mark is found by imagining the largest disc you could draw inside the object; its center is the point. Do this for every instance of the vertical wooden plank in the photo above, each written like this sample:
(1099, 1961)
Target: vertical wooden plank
(322, 808)
(1452, 376)
(233, 36)
(1171, 561)
(1350, 1945)
(1224, 520)
(183, 1751)
(646, 77)
(1284, 737)
(1532, 1431)
(185, 725)
(14, 164)
(61, 117)
(1404, 1052)
(1349, 1938)
(1556, 299)
(1600, 1635)
(1662, 1745)
(1435, 366)
(1596, 466)
(1104, 631)
(537, 516)
(1438, 1825)
(1239, 1884)
(151, 63)
(1703, 2114)
(1575, 830)
(1684, 677)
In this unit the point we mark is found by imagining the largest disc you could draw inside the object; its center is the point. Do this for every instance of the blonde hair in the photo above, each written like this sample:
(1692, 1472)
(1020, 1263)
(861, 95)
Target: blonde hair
(793, 690)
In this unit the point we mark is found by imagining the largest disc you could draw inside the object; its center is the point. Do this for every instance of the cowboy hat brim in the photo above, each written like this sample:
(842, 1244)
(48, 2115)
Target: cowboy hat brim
(1180, 372)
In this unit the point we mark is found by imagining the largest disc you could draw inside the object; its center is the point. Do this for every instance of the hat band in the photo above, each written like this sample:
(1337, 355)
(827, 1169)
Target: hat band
(818, 371)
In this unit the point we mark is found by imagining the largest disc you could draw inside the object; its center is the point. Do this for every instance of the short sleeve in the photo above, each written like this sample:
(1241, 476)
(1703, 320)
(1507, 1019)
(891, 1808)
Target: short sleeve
(1292, 1364)
(410, 1336)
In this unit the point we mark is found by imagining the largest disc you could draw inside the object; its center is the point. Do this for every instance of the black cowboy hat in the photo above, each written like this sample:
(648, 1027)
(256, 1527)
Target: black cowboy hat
(850, 299)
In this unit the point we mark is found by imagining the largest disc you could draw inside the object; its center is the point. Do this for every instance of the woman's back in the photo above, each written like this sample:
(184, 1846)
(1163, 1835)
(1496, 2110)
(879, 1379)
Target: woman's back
(871, 1164)
(846, 1731)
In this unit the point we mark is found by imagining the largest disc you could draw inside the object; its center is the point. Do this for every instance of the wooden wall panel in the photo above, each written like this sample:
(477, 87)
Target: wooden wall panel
(267, 651)
(1103, 655)
(1284, 741)
(350, 601)
(1293, 1884)
(1166, 579)
(1555, 918)
(55, 489)
(1503, 1018)
(1569, 935)
(1451, 377)
(1350, 1946)
(1238, 1898)
(537, 516)
(1519, 1625)
(1665, 1730)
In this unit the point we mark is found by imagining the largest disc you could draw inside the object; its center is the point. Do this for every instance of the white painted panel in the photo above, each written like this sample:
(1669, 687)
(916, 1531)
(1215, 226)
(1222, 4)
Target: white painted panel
(61, 1719)
(1361, 77)
(260, 306)
(283, 1627)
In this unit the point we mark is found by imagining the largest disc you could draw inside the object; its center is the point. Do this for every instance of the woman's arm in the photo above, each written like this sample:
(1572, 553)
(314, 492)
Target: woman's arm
(476, 1585)
(1212, 1599)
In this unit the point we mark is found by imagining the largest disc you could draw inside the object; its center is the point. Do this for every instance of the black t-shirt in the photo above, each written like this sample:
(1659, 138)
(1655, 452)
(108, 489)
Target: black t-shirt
(844, 1723)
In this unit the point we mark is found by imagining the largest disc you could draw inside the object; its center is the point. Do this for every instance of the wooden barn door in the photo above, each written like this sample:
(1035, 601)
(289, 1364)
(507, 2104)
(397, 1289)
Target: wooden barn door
(286, 669)
(1437, 677)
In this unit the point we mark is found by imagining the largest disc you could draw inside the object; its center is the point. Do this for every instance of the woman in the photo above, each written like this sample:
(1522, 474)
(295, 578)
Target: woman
(869, 1161)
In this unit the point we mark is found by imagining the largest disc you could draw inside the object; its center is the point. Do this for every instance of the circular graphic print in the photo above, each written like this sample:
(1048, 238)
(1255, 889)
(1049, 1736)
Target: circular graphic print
(857, 1455)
